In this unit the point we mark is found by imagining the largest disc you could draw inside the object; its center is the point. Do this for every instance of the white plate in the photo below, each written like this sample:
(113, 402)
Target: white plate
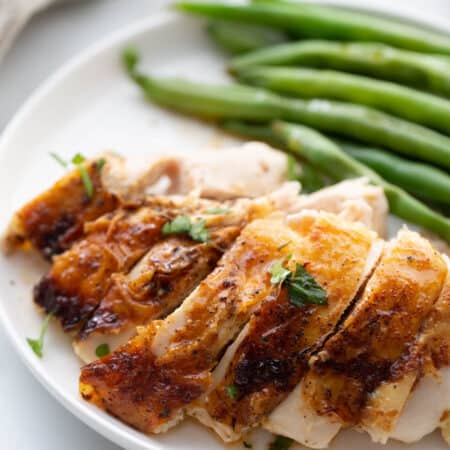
(89, 106)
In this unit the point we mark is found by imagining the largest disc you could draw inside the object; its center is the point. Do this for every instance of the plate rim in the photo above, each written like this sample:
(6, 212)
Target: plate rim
(86, 413)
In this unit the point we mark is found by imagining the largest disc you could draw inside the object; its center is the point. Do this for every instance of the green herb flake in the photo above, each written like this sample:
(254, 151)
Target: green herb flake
(58, 159)
(86, 179)
(179, 225)
(78, 159)
(182, 224)
(232, 391)
(278, 272)
(199, 232)
(303, 289)
(281, 443)
(130, 59)
(247, 444)
(102, 350)
(100, 163)
(218, 211)
(37, 345)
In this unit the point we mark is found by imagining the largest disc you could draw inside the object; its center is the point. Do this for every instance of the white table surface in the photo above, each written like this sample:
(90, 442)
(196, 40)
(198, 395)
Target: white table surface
(30, 419)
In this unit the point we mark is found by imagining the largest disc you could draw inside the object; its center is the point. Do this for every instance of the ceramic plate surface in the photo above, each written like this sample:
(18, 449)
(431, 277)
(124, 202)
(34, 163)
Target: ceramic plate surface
(89, 106)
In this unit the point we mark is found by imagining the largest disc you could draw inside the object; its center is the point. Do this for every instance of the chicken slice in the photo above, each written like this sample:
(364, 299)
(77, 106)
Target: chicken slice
(52, 221)
(270, 355)
(150, 381)
(370, 350)
(360, 200)
(157, 284)
(79, 278)
(433, 385)
(136, 298)
(250, 170)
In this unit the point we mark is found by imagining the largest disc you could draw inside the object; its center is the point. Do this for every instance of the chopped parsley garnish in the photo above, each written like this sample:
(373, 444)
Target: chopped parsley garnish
(232, 390)
(37, 345)
(179, 225)
(278, 272)
(302, 288)
(218, 211)
(281, 443)
(130, 59)
(100, 163)
(247, 444)
(78, 161)
(102, 350)
(58, 159)
(183, 225)
(199, 232)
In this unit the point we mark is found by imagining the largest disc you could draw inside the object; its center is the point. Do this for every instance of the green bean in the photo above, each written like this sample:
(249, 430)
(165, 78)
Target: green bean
(420, 107)
(419, 179)
(322, 22)
(324, 154)
(428, 72)
(237, 38)
(257, 105)
(310, 179)
(259, 132)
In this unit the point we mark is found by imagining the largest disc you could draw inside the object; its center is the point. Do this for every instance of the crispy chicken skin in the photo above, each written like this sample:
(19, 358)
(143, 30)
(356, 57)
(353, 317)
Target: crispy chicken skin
(432, 386)
(79, 278)
(52, 221)
(170, 270)
(275, 345)
(154, 287)
(149, 382)
(374, 345)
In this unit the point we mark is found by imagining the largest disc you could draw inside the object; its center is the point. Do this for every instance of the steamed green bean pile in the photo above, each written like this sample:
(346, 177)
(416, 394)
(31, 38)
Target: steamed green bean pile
(345, 93)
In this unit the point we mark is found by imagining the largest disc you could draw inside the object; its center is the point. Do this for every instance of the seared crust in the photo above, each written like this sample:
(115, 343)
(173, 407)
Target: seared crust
(435, 337)
(374, 344)
(280, 336)
(155, 287)
(79, 278)
(169, 364)
(52, 221)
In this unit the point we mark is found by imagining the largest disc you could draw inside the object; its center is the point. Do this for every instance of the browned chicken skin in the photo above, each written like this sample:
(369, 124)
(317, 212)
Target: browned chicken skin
(80, 278)
(149, 381)
(376, 342)
(280, 336)
(53, 221)
(169, 364)
(154, 288)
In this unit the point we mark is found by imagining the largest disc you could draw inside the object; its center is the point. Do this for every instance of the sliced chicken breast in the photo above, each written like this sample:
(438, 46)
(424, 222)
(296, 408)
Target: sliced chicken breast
(432, 387)
(270, 355)
(172, 268)
(370, 350)
(79, 278)
(348, 196)
(52, 221)
(157, 284)
(150, 381)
